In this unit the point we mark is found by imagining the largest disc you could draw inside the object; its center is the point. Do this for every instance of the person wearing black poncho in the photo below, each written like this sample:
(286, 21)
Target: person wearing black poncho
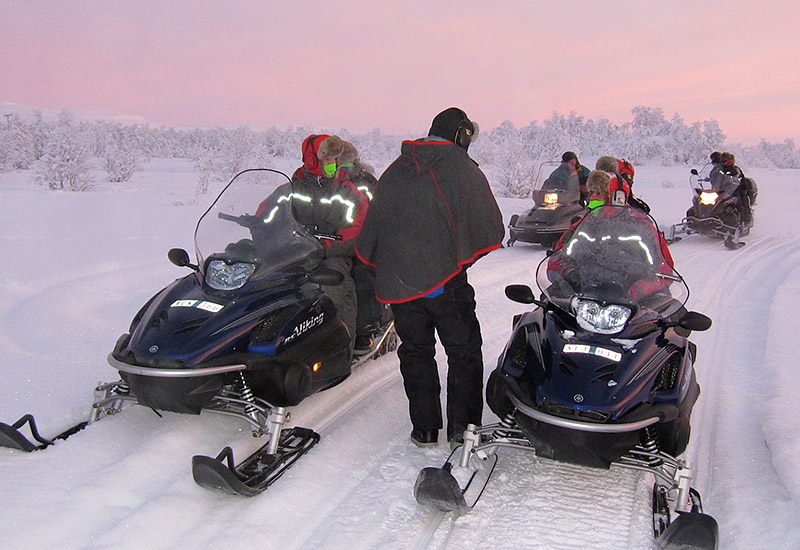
(432, 216)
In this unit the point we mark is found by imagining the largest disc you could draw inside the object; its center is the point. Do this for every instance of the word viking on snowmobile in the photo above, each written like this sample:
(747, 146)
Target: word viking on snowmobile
(600, 374)
(715, 210)
(556, 204)
(248, 333)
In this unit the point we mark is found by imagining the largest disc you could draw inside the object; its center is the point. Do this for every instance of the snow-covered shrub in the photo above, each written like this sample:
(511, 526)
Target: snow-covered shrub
(121, 161)
(67, 160)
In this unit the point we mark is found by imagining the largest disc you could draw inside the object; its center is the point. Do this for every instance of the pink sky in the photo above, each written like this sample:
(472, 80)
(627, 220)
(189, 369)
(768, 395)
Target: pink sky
(362, 65)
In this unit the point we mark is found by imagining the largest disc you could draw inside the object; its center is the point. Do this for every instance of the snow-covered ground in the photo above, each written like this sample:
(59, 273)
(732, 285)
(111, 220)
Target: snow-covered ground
(76, 267)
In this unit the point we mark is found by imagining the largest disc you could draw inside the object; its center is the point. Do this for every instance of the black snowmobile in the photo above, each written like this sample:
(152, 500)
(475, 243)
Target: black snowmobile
(248, 333)
(715, 208)
(556, 204)
(600, 374)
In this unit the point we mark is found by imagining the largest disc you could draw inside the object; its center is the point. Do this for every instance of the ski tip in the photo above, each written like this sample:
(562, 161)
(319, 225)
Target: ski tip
(11, 438)
(436, 487)
(213, 474)
(691, 531)
(730, 244)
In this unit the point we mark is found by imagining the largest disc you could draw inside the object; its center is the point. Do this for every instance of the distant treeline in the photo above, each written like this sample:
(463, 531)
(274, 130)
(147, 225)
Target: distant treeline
(65, 153)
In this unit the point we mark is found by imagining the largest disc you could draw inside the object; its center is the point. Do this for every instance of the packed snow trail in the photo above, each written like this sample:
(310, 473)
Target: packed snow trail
(125, 482)
(739, 290)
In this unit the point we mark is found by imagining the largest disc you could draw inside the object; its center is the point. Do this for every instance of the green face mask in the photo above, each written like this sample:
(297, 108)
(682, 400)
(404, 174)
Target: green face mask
(329, 169)
(595, 204)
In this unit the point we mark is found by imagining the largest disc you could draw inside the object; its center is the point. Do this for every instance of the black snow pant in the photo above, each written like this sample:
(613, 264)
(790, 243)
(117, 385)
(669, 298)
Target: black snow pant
(745, 210)
(370, 310)
(452, 316)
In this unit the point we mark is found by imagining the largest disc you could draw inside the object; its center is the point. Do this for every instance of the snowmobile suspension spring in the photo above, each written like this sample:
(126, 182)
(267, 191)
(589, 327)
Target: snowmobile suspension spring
(506, 422)
(247, 395)
(650, 445)
(650, 442)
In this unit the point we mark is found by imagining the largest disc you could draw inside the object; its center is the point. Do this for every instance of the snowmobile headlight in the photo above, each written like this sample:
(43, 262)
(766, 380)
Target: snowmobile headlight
(595, 317)
(223, 276)
(551, 198)
(708, 197)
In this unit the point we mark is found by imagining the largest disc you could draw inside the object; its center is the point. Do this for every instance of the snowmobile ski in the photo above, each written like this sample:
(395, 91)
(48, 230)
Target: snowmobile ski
(438, 487)
(690, 531)
(256, 472)
(11, 437)
(109, 398)
(259, 470)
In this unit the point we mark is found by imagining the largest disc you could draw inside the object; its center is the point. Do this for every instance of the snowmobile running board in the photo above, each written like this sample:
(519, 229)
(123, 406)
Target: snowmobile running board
(259, 470)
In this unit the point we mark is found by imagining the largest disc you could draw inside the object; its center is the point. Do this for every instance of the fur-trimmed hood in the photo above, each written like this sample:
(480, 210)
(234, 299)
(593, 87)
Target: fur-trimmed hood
(317, 147)
(607, 163)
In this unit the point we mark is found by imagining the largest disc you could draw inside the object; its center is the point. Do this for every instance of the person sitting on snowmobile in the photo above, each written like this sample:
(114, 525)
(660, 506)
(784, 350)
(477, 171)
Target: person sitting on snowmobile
(727, 178)
(647, 283)
(622, 182)
(325, 201)
(369, 310)
(358, 172)
(562, 177)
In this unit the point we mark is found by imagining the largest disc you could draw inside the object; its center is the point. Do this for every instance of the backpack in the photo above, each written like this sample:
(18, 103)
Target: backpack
(626, 172)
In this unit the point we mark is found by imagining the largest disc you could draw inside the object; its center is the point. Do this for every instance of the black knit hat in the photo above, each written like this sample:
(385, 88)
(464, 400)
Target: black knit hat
(447, 123)
(568, 156)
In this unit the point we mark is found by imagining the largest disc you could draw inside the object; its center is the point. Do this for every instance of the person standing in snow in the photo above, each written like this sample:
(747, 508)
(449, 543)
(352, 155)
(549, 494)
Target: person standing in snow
(432, 216)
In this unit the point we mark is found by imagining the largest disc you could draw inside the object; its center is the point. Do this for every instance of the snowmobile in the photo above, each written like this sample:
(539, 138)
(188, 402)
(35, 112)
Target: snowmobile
(249, 332)
(600, 374)
(715, 208)
(556, 204)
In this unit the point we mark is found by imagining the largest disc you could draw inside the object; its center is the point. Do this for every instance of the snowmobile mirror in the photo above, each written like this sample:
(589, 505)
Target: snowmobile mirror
(521, 294)
(695, 321)
(180, 257)
(325, 276)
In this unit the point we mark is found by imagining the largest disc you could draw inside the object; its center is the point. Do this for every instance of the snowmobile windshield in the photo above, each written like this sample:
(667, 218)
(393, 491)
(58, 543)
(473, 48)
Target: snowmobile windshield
(723, 181)
(613, 256)
(562, 186)
(703, 176)
(251, 227)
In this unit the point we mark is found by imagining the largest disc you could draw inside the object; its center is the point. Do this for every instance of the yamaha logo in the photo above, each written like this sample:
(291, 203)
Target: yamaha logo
(153, 349)
(578, 398)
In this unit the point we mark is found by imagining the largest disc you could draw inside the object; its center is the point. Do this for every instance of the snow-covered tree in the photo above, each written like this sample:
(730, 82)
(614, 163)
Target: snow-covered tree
(67, 160)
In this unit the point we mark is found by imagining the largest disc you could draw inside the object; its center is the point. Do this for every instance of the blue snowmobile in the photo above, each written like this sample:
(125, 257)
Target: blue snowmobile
(600, 374)
(249, 332)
